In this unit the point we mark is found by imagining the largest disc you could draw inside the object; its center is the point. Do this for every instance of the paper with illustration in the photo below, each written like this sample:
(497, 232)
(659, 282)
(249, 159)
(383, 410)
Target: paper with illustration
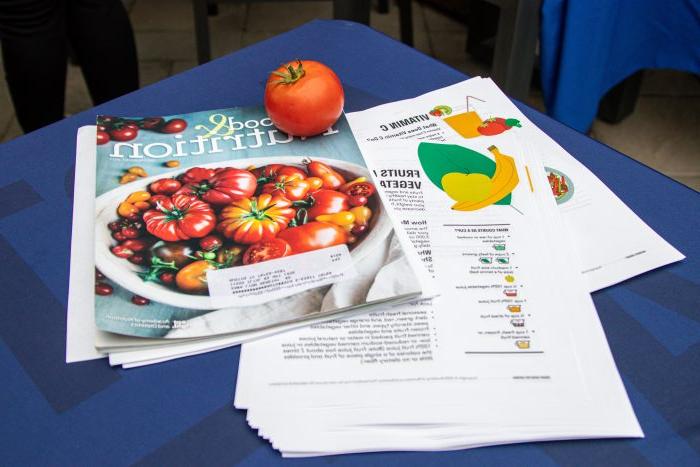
(513, 316)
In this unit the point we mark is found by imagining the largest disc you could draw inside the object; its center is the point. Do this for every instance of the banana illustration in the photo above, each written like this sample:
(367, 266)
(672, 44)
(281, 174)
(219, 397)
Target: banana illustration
(482, 194)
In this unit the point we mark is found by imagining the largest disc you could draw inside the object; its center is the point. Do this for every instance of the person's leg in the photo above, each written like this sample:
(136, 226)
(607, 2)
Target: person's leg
(103, 41)
(33, 41)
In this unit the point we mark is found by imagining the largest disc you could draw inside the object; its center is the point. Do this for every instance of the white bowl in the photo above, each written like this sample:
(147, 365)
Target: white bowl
(124, 273)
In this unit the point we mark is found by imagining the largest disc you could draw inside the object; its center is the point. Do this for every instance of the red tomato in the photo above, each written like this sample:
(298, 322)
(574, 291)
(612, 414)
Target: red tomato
(102, 137)
(293, 189)
(164, 186)
(358, 188)
(358, 192)
(123, 133)
(358, 200)
(491, 127)
(327, 202)
(196, 175)
(313, 236)
(180, 218)
(315, 184)
(193, 277)
(151, 123)
(359, 229)
(224, 186)
(167, 277)
(155, 199)
(137, 244)
(102, 288)
(118, 236)
(130, 232)
(176, 125)
(121, 251)
(331, 178)
(106, 120)
(250, 220)
(137, 259)
(272, 171)
(139, 300)
(266, 250)
(304, 98)
(210, 243)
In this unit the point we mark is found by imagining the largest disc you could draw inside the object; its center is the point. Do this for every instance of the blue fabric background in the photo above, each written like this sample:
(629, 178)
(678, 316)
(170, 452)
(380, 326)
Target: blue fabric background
(589, 46)
(180, 412)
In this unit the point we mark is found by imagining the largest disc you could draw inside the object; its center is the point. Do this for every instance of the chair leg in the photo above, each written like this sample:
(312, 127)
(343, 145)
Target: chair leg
(201, 30)
(212, 8)
(352, 10)
(406, 21)
(482, 26)
(620, 101)
(516, 41)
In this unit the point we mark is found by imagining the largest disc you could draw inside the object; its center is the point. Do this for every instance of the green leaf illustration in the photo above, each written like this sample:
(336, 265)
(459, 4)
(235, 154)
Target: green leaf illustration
(438, 160)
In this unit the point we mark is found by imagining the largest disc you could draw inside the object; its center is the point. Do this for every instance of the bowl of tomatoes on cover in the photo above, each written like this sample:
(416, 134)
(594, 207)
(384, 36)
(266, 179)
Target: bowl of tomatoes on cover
(159, 236)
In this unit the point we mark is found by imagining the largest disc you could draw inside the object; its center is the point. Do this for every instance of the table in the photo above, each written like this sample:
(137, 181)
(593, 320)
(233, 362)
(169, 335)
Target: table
(180, 413)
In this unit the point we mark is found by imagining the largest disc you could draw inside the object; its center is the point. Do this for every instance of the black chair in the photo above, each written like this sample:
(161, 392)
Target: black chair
(352, 10)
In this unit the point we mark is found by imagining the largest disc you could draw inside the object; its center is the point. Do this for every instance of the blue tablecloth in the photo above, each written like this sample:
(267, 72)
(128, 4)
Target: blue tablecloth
(589, 46)
(180, 413)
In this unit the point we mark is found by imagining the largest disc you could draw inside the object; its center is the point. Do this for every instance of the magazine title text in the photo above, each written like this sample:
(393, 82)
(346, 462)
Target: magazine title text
(227, 134)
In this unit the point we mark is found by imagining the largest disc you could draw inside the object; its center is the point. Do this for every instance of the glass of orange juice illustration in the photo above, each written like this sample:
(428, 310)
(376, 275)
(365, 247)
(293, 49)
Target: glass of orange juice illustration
(522, 344)
(465, 123)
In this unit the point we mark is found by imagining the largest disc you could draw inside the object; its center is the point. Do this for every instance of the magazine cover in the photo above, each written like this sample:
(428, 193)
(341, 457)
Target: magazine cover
(216, 222)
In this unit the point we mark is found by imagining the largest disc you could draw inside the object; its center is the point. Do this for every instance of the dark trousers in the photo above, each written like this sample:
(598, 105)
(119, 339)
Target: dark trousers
(35, 34)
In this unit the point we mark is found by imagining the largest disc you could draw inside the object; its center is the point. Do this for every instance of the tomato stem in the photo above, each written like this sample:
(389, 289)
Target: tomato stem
(304, 203)
(292, 75)
(175, 214)
(158, 266)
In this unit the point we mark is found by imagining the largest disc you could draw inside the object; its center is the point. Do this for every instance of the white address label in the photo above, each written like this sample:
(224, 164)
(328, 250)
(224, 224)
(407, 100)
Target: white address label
(270, 280)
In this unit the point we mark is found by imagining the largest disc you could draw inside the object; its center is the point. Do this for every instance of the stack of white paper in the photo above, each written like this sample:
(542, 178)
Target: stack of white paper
(512, 350)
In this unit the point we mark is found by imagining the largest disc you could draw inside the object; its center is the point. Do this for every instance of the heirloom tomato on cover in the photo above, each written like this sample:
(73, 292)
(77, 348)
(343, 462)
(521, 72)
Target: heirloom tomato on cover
(220, 186)
(196, 175)
(266, 250)
(330, 178)
(193, 277)
(270, 172)
(165, 186)
(176, 125)
(327, 202)
(250, 220)
(102, 137)
(290, 187)
(315, 184)
(304, 98)
(359, 191)
(313, 236)
(180, 217)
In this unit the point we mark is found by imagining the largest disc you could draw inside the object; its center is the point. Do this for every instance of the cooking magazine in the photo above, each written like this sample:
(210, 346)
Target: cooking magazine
(216, 222)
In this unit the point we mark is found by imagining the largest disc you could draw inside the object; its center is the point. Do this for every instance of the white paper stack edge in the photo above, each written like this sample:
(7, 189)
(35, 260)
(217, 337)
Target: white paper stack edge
(477, 366)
